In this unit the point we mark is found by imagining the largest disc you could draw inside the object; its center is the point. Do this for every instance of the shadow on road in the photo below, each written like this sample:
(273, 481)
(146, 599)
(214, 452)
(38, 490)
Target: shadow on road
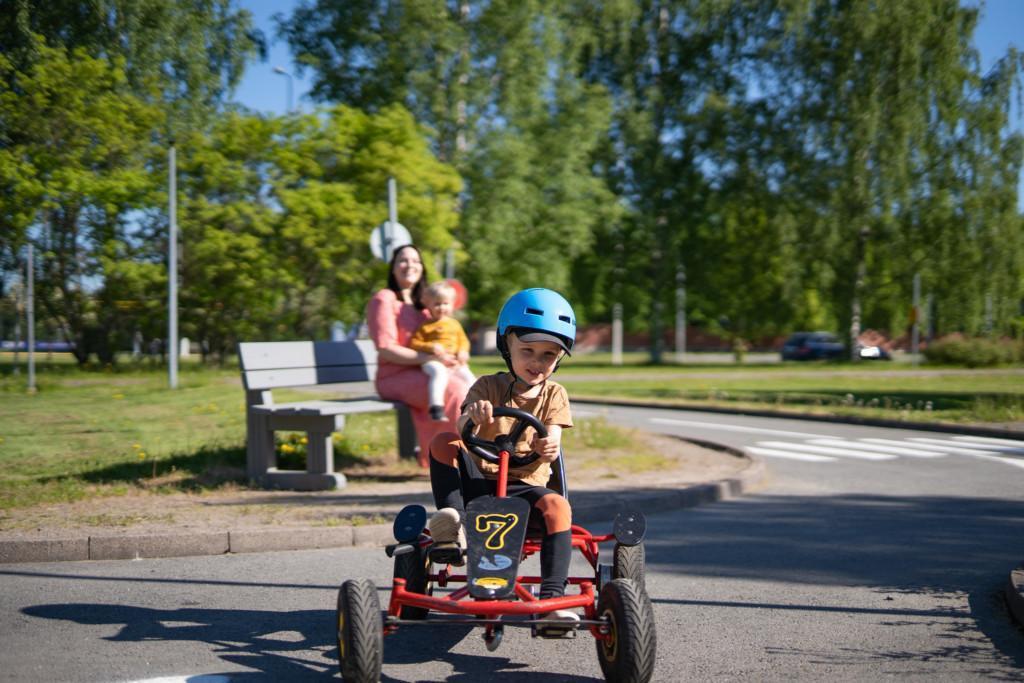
(290, 646)
(276, 645)
(945, 546)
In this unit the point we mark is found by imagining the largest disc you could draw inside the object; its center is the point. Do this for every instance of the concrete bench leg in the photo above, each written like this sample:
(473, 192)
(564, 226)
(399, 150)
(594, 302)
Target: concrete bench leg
(408, 444)
(260, 455)
(319, 453)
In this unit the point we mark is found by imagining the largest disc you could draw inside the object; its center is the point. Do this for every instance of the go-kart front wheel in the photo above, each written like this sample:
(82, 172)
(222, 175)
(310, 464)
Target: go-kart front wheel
(629, 562)
(360, 632)
(415, 568)
(627, 655)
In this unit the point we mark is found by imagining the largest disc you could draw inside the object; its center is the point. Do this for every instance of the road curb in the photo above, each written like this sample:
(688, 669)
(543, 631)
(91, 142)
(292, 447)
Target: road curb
(966, 430)
(144, 546)
(1015, 594)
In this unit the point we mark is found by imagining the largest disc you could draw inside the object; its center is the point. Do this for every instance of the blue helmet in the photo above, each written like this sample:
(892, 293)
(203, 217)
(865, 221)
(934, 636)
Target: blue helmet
(537, 314)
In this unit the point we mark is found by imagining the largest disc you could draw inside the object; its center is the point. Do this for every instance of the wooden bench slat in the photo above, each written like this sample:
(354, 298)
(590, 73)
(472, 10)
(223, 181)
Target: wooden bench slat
(304, 377)
(278, 355)
(326, 407)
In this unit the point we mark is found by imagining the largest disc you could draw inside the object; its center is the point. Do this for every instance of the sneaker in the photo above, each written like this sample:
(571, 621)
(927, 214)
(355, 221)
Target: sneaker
(437, 414)
(449, 537)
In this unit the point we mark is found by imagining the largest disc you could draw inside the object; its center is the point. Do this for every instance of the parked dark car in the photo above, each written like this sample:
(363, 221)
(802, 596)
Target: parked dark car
(812, 346)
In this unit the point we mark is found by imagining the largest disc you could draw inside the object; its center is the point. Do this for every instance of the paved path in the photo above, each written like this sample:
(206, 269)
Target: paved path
(848, 568)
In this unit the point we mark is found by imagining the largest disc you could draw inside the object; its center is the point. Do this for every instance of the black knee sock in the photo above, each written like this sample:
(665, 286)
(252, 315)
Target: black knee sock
(445, 485)
(555, 555)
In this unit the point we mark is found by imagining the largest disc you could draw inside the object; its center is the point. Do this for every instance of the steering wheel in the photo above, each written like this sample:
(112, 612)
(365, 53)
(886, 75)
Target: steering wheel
(488, 450)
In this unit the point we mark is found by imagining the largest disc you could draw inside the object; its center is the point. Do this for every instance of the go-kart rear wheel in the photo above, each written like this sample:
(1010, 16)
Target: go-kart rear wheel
(627, 656)
(415, 568)
(628, 563)
(360, 632)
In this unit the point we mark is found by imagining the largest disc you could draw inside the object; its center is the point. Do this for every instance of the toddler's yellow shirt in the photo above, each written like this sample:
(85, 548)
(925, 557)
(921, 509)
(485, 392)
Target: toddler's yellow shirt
(447, 332)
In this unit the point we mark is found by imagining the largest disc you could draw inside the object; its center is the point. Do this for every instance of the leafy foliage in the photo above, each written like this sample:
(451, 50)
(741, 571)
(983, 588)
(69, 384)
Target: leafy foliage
(277, 213)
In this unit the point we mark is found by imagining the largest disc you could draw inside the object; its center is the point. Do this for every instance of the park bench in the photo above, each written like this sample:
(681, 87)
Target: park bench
(271, 365)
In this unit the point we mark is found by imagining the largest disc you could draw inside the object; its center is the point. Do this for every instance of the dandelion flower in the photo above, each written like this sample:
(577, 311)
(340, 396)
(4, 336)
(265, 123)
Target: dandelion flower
(304, 440)
(136, 446)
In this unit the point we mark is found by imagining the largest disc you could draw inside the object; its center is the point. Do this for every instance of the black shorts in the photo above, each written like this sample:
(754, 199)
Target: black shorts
(474, 484)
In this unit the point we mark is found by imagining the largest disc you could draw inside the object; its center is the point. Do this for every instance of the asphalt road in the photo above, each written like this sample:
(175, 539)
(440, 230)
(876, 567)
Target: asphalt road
(855, 562)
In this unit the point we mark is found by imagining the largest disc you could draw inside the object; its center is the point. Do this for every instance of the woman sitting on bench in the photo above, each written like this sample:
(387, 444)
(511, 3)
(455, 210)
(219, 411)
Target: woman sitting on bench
(392, 315)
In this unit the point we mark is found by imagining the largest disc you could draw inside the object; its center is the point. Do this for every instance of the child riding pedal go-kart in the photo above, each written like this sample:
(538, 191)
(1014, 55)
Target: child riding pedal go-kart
(500, 489)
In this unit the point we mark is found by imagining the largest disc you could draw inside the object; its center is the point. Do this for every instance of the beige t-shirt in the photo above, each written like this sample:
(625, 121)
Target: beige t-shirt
(551, 407)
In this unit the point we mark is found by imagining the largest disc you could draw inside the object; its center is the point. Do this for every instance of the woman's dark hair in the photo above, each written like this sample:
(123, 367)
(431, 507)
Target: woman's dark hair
(417, 289)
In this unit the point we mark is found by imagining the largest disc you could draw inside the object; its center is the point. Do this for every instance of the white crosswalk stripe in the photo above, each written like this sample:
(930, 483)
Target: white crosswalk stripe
(827, 450)
(775, 453)
(990, 448)
(992, 440)
(878, 448)
(821, 448)
(1017, 462)
(938, 450)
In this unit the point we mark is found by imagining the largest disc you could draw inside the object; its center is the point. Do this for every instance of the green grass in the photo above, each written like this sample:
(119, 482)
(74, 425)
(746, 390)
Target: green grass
(111, 431)
(96, 433)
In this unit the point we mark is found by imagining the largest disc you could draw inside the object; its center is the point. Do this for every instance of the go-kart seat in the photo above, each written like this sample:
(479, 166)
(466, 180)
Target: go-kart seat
(471, 476)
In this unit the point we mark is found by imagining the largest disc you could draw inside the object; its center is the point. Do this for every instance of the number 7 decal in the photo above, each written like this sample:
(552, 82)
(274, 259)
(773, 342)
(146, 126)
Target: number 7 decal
(499, 525)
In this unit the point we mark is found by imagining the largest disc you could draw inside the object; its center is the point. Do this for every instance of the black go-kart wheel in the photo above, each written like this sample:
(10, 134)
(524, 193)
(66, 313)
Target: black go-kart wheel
(360, 632)
(627, 656)
(628, 562)
(415, 568)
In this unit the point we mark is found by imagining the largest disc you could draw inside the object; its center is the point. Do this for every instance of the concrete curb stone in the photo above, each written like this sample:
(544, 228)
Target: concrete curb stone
(44, 550)
(157, 545)
(1015, 594)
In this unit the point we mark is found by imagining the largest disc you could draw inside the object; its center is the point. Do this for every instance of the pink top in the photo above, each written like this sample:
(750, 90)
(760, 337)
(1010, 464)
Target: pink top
(391, 322)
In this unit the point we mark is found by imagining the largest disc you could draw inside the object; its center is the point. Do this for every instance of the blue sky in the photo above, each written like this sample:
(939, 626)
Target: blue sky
(1002, 25)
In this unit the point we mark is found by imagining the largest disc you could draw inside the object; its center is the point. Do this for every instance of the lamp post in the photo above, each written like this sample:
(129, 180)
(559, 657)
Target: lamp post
(288, 75)
(172, 268)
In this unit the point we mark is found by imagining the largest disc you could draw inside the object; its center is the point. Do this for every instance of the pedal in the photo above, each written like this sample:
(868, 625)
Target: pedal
(446, 554)
(396, 549)
(554, 632)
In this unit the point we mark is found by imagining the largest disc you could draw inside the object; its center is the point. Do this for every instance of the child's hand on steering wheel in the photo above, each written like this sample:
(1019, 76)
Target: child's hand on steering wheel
(548, 447)
(480, 412)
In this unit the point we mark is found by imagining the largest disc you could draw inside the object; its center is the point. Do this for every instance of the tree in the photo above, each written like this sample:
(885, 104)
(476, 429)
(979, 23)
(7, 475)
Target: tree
(908, 150)
(73, 165)
(184, 56)
(276, 217)
(174, 60)
(492, 82)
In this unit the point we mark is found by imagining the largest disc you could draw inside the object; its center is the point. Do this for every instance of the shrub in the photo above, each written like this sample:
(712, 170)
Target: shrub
(974, 352)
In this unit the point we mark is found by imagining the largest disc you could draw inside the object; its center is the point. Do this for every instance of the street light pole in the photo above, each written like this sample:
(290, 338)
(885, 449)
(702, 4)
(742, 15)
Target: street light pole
(288, 75)
(172, 270)
(30, 309)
